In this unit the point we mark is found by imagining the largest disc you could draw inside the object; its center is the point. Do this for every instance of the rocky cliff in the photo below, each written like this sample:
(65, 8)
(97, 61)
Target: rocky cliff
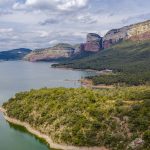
(139, 31)
(61, 50)
(135, 32)
(93, 44)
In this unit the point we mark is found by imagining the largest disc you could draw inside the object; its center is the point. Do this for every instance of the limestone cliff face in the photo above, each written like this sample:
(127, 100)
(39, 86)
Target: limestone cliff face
(139, 31)
(114, 36)
(61, 50)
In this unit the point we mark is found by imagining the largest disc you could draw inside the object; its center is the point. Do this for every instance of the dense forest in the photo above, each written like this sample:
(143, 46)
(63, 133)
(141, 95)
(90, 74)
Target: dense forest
(83, 117)
(122, 79)
(130, 61)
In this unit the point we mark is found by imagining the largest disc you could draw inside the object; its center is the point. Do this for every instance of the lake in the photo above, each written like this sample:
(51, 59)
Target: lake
(16, 76)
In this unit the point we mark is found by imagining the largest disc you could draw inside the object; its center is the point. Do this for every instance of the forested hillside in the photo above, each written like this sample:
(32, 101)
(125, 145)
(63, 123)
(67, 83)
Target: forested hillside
(83, 117)
(15, 54)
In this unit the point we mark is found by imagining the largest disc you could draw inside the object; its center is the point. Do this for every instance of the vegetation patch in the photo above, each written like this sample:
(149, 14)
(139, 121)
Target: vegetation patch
(122, 79)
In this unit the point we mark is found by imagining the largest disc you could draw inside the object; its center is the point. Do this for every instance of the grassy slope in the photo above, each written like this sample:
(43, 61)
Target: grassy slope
(85, 117)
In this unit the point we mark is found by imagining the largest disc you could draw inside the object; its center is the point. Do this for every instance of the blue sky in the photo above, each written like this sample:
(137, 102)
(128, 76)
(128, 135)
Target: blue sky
(43, 23)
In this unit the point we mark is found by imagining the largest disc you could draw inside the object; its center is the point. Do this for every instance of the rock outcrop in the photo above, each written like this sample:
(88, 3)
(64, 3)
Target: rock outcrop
(139, 31)
(114, 36)
(136, 32)
(59, 51)
(93, 43)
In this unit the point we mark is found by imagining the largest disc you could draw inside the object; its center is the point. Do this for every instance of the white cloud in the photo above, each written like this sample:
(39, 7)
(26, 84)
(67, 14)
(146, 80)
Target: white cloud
(63, 5)
(6, 4)
(18, 6)
(15, 37)
(70, 4)
(3, 2)
(6, 30)
(43, 33)
(53, 42)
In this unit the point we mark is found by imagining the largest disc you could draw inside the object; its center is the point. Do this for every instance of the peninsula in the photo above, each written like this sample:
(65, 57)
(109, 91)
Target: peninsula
(82, 118)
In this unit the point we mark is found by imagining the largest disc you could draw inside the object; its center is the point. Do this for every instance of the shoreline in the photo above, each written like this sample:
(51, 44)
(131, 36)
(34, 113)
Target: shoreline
(88, 70)
(87, 83)
(46, 137)
(97, 72)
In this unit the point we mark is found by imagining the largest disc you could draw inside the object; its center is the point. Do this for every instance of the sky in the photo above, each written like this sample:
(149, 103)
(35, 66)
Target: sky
(44, 23)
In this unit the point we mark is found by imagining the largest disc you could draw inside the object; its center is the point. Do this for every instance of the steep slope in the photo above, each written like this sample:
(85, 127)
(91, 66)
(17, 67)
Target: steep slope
(121, 57)
(61, 50)
(134, 32)
(15, 54)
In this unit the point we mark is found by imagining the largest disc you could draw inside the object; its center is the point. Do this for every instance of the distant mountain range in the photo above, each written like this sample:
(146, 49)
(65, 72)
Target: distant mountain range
(94, 43)
(15, 54)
